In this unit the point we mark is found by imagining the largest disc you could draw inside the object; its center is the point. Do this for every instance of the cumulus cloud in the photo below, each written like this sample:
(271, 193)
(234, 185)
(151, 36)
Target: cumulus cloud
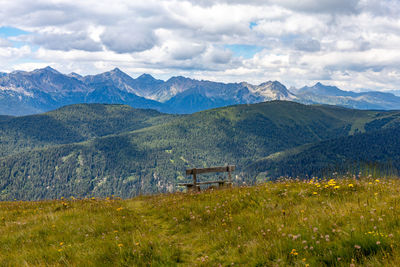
(328, 6)
(309, 45)
(65, 41)
(351, 43)
(5, 43)
(127, 39)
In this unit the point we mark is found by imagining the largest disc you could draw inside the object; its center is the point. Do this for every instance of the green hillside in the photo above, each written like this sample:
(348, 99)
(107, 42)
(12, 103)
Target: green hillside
(374, 153)
(71, 124)
(148, 152)
(346, 222)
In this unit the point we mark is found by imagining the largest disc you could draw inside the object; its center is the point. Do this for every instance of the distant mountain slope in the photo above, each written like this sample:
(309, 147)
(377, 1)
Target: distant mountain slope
(41, 90)
(332, 95)
(153, 159)
(46, 89)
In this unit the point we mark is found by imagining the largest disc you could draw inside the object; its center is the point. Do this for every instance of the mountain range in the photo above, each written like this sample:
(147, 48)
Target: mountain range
(41, 90)
(101, 149)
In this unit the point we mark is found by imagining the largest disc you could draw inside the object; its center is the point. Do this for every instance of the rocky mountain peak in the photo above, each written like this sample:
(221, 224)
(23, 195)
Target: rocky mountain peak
(145, 77)
(47, 69)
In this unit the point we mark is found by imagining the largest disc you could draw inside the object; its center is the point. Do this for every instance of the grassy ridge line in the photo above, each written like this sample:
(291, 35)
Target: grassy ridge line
(313, 223)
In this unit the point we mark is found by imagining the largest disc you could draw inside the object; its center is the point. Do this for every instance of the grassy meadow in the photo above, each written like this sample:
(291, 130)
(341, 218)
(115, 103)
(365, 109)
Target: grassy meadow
(343, 222)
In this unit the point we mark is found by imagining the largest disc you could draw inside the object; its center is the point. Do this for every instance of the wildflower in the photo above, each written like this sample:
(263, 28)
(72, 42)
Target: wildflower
(60, 249)
(120, 208)
(378, 242)
(304, 259)
(137, 243)
(61, 243)
(120, 245)
(93, 198)
(336, 187)
(294, 252)
(351, 185)
(357, 246)
(377, 181)
(315, 193)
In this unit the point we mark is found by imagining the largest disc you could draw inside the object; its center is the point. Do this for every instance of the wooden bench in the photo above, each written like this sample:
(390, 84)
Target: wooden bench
(196, 185)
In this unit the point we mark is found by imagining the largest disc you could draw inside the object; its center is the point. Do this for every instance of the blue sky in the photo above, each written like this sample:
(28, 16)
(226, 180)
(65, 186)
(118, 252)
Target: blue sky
(353, 44)
(244, 50)
(6, 31)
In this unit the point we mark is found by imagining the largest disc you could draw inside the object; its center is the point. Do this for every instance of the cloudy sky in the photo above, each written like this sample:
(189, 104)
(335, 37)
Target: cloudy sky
(354, 44)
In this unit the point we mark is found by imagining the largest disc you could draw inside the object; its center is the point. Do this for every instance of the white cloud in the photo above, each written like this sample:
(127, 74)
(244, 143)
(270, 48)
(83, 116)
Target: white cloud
(351, 43)
(5, 43)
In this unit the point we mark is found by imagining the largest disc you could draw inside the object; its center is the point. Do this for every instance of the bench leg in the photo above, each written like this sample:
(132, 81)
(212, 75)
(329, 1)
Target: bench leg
(194, 188)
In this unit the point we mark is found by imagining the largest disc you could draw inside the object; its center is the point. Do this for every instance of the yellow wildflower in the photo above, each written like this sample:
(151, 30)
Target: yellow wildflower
(294, 252)
(120, 245)
(377, 181)
(351, 185)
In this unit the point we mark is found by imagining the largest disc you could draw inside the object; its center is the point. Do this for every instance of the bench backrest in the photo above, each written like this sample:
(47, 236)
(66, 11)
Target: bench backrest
(228, 168)
(196, 171)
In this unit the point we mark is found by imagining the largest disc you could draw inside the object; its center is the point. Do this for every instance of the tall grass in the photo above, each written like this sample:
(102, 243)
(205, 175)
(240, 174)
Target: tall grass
(345, 222)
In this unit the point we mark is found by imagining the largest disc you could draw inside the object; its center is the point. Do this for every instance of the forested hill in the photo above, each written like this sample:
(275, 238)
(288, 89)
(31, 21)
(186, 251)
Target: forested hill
(111, 149)
(75, 123)
(374, 153)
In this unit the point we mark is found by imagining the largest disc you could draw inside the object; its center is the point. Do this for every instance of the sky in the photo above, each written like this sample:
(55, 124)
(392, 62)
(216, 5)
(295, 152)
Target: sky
(353, 44)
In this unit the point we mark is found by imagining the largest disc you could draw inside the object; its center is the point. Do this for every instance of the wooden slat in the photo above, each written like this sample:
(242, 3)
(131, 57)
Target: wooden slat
(212, 182)
(228, 168)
